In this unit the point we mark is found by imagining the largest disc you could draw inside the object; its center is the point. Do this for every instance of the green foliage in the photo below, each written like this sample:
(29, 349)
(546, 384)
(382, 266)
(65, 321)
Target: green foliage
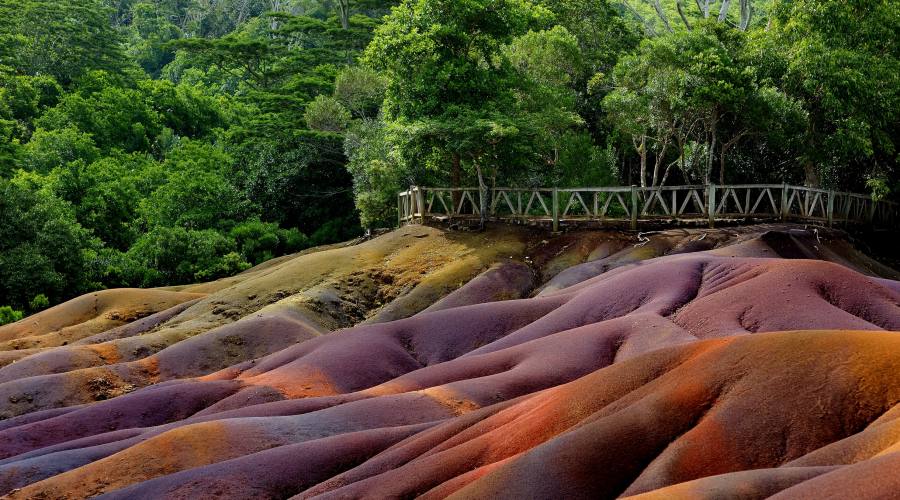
(114, 117)
(260, 241)
(185, 109)
(843, 61)
(178, 255)
(299, 181)
(360, 90)
(50, 148)
(440, 54)
(59, 38)
(150, 31)
(474, 86)
(377, 173)
(133, 124)
(42, 246)
(549, 57)
(106, 194)
(9, 315)
(327, 114)
(195, 200)
(38, 303)
(581, 163)
(149, 142)
(691, 89)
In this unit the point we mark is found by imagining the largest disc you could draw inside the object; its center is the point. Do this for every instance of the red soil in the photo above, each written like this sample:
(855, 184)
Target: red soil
(710, 374)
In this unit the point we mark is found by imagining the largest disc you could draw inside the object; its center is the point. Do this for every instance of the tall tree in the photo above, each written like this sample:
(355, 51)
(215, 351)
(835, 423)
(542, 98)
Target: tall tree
(843, 61)
(61, 38)
(448, 82)
(694, 87)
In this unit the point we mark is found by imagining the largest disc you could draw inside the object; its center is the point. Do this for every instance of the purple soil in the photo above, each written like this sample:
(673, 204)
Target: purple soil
(626, 376)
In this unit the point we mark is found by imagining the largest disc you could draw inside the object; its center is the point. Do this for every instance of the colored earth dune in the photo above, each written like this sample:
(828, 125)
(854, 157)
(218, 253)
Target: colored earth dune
(732, 363)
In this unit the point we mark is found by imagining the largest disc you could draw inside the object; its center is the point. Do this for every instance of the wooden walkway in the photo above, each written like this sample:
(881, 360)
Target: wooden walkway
(635, 205)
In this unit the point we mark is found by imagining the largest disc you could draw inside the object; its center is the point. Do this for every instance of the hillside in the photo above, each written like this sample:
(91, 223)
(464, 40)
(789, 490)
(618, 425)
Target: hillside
(508, 363)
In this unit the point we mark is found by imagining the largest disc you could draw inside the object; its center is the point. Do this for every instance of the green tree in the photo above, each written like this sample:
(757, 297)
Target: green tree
(49, 149)
(60, 38)
(260, 241)
(360, 90)
(326, 114)
(841, 59)
(9, 315)
(377, 172)
(693, 92)
(115, 118)
(151, 31)
(177, 255)
(299, 181)
(195, 200)
(106, 194)
(455, 93)
(38, 303)
(43, 249)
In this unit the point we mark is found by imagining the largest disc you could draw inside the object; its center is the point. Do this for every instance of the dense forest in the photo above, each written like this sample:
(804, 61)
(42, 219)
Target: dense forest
(156, 142)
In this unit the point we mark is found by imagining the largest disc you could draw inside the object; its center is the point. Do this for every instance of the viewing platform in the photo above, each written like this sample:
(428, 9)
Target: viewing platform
(635, 206)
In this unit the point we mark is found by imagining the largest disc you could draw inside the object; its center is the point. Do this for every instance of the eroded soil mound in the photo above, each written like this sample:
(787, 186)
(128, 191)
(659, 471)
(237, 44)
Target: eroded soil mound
(703, 364)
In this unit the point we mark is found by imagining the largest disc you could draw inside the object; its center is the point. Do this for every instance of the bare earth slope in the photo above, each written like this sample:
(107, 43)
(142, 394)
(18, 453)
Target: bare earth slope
(738, 363)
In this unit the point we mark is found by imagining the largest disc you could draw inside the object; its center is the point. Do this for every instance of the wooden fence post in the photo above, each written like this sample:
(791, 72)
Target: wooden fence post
(420, 203)
(784, 202)
(830, 208)
(634, 207)
(711, 204)
(399, 210)
(555, 210)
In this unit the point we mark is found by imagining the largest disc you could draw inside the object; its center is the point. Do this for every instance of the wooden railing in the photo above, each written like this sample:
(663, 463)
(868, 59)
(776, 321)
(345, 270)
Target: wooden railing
(631, 205)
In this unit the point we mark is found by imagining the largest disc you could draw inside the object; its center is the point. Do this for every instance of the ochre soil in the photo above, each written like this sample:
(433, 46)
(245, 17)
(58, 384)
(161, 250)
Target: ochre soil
(510, 363)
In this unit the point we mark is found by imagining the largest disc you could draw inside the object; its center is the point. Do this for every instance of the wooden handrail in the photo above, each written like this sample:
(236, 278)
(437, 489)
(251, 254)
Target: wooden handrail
(633, 204)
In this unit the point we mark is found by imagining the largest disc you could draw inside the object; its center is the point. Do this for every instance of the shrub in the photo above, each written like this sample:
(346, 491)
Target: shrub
(327, 114)
(260, 241)
(177, 255)
(38, 303)
(9, 315)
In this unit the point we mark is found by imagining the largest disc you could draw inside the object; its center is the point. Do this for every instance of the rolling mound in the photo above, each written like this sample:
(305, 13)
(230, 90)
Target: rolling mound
(738, 363)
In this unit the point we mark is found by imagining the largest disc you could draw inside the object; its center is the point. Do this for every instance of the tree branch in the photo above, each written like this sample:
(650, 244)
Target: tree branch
(723, 10)
(679, 4)
(662, 15)
(746, 14)
(647, 27)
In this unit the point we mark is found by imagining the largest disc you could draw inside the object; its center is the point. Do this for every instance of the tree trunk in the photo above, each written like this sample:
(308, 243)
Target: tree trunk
(666, 174)
(746, 14)
(722, 167)
(725, 147)
(723, 10)
(482, 198)
(704, 7)
(648, 28)
(662, 15)
(809, 167)
(660, 157)
(643, 153)
(812, 176)
(711, 151)
(680, 6)
(344, 13)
